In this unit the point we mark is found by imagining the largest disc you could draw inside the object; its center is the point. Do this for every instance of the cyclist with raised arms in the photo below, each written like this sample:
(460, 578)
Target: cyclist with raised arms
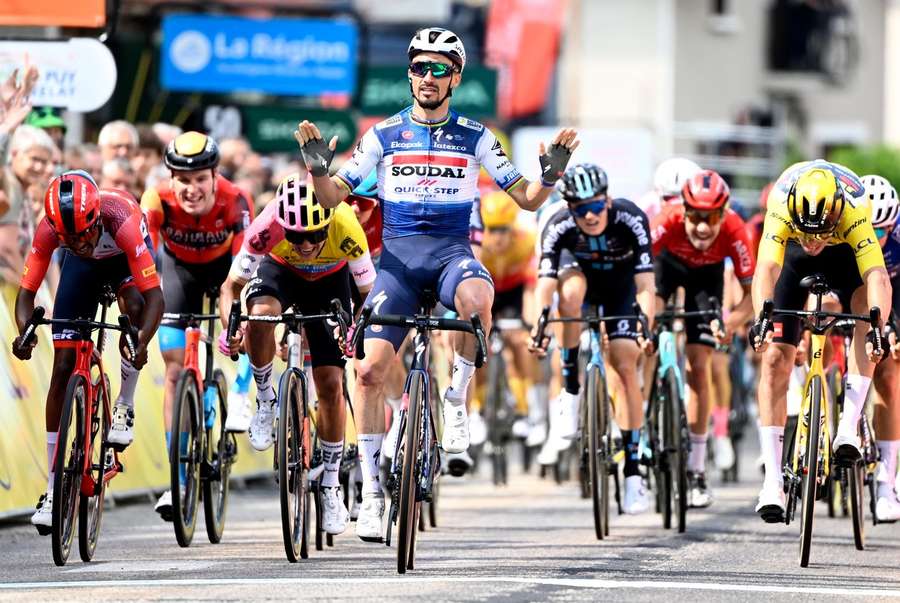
(427, 158)
(197, 224)
(105, 239)
(690, 248)
(299, 254)
(885, 210)
(598, 250)
(817, 222)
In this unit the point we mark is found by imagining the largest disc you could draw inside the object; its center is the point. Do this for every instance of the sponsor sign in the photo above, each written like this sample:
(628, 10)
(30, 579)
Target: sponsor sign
(79, 74)
(385, 90)
(271, 129)
(43, 13)
(286, 56)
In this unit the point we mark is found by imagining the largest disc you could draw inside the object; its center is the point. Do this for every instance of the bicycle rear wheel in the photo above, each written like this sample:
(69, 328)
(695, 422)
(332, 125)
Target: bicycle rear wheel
(496, 418)
(293, 449)
(856, 482)
(407, 516)
(68, 468)
(90, 508)
(675, 425)
(598, 452)
(184, 458)
(810, 467)
(221, 449)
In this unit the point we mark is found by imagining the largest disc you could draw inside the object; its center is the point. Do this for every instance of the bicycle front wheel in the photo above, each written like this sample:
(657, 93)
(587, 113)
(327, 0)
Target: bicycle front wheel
(221, 450)
(184, 458)
(856, 481)
(90, 508)
(810, 467)
(293, 449)
(68, 468)
(598, 457)
(408, 513)
(675, 425)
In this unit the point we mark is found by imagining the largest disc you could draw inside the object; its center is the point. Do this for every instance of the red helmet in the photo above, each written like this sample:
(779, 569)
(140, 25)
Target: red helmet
(72, 202)
(705, 191)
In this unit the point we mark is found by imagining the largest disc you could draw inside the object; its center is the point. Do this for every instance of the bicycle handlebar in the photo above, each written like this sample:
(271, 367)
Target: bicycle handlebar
(818, 321)
(124, 326)
(544, 319)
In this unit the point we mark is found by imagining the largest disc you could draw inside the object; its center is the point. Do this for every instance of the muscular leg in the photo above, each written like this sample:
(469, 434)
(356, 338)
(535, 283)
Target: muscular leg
(371, 374)
(331, 420)
(775, 370)
(699, 358)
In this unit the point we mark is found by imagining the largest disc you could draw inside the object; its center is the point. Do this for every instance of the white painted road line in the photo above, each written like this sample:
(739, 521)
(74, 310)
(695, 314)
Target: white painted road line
(562, 582)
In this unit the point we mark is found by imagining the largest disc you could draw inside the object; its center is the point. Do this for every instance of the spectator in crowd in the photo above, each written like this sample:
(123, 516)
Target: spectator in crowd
(50, 120)
(85, 157)
(233, 152)
(30, 152)
(166, 132)
(118, 138)
(157, 176)
(118, 173)
(149, 155)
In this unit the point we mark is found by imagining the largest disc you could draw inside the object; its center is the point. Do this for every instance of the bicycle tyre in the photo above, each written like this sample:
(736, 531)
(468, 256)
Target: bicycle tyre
(408, 481)
(857, 504)
(495, 393)
(432, 506)
(184, 458)
(90, 508)
(68, 469)
(810, 468)
(221, 449)
(598, 472)
(676, 425)
(437, 427)
(293, 449)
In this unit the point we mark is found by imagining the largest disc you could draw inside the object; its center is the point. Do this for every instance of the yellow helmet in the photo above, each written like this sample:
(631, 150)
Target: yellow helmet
(298, 208)
(498, 210)
(816, 201)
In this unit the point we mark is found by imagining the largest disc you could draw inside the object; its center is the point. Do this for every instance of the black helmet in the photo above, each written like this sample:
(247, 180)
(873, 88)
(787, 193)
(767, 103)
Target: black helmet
(191, 151)
(583, 181)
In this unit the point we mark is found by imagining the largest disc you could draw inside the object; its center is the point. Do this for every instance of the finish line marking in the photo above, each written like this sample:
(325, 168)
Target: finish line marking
(564, 582)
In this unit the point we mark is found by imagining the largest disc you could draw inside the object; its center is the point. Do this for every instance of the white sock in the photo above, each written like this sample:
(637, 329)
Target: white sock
(697, 457)
(459, 382)
(369, 454)
(854, 401)
(887, 468)
(332, 453)
(51, 450)
(771, 440)
(129, 383)
(263, 377)
(536, 410)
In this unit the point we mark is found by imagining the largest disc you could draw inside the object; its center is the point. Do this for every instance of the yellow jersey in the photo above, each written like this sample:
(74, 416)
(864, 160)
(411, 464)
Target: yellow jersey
(854, 228)
(514, 267)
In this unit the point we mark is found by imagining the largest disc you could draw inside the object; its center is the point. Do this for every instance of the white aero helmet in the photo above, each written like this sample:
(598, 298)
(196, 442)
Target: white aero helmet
(671, 175)
(439, 40)
(883, 201)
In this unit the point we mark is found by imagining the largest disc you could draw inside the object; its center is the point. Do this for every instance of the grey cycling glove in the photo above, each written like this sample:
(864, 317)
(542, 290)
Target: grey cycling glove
(553, 163)
(317, 156)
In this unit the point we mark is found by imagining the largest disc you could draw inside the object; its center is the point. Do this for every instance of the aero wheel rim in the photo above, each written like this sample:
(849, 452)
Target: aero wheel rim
(189, 460)
(72, 475)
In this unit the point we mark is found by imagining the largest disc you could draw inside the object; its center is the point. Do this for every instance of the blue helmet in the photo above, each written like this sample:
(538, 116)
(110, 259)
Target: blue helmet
(368, 187)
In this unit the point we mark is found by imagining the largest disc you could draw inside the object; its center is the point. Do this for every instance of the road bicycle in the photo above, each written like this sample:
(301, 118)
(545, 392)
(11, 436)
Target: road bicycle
(295, 442)
(806, 475)
(416, 463)
(84, 460)
(201, 452)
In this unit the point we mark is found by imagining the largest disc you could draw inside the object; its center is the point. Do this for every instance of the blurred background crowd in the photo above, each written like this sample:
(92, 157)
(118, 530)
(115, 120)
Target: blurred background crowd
(742, 87)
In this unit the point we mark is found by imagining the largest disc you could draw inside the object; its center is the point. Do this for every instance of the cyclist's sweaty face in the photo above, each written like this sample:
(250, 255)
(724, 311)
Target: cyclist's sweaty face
(812, 244)
(429, 91)
(195, 191)
(82, 244)
(702, 228)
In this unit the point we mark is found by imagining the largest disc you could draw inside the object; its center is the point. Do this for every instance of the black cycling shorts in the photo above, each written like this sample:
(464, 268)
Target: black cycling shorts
(81, 283)
(508, 304)
(614, 293)
(184, 284)
(672, 273)
(836, 262)
(306, 297)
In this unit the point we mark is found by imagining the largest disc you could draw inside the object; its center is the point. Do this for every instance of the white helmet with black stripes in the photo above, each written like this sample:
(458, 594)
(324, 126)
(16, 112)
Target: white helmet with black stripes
(439, 40)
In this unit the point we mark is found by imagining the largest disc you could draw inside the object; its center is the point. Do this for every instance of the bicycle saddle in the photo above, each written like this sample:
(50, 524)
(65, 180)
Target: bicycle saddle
(816, 284)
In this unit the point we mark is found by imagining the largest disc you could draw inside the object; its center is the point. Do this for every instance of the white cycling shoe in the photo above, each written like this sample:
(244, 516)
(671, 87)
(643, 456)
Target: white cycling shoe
(42, 518)
(369, 524)
(335, 516)
(478, 430)
(770, 505)
(724, 452)
(636, 500)
(239, 413)
(537, 434)
(261, 426)
(846, 448)
(563, 419)
(458, 463)
(548, 454)
(164, 506)
(456, 428)
(121, 429)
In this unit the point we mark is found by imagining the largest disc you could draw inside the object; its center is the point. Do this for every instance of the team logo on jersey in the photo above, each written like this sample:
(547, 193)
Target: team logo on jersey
(498, 148)
(407, 134)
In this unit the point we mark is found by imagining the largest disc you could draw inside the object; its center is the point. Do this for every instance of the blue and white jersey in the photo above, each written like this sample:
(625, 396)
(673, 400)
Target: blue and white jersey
(428, 173)
(891, 251)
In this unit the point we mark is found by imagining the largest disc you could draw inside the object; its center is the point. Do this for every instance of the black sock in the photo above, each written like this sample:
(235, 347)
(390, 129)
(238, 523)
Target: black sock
(569, 364)
(631, 441)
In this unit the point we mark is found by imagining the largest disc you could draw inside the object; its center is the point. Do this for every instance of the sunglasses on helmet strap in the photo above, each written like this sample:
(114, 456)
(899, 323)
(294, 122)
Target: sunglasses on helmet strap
(438, 70)
(308, 236)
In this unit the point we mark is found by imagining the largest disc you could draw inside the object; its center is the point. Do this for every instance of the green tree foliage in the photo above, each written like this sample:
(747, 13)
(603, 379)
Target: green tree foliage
(881, 160)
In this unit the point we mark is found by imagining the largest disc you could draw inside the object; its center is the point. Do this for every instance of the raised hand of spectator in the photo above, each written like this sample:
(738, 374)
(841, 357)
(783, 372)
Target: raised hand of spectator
(14, 96)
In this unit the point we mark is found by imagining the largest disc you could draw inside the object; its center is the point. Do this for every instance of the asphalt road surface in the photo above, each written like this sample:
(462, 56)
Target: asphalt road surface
(532, 540)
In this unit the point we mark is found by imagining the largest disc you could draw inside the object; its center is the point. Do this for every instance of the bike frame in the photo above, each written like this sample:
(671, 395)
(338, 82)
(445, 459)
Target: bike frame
(816, 368)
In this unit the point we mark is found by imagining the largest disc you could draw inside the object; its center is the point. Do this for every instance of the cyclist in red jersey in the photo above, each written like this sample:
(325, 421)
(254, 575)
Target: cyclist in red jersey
(197, 225)
(105, 238)
(690, 248)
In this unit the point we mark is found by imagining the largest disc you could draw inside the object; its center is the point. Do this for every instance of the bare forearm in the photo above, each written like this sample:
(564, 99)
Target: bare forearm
(878, 291)
(543, 294)
(646, 295)
(24, 307)
(763, 286)
(328, 192)
(230, 291)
